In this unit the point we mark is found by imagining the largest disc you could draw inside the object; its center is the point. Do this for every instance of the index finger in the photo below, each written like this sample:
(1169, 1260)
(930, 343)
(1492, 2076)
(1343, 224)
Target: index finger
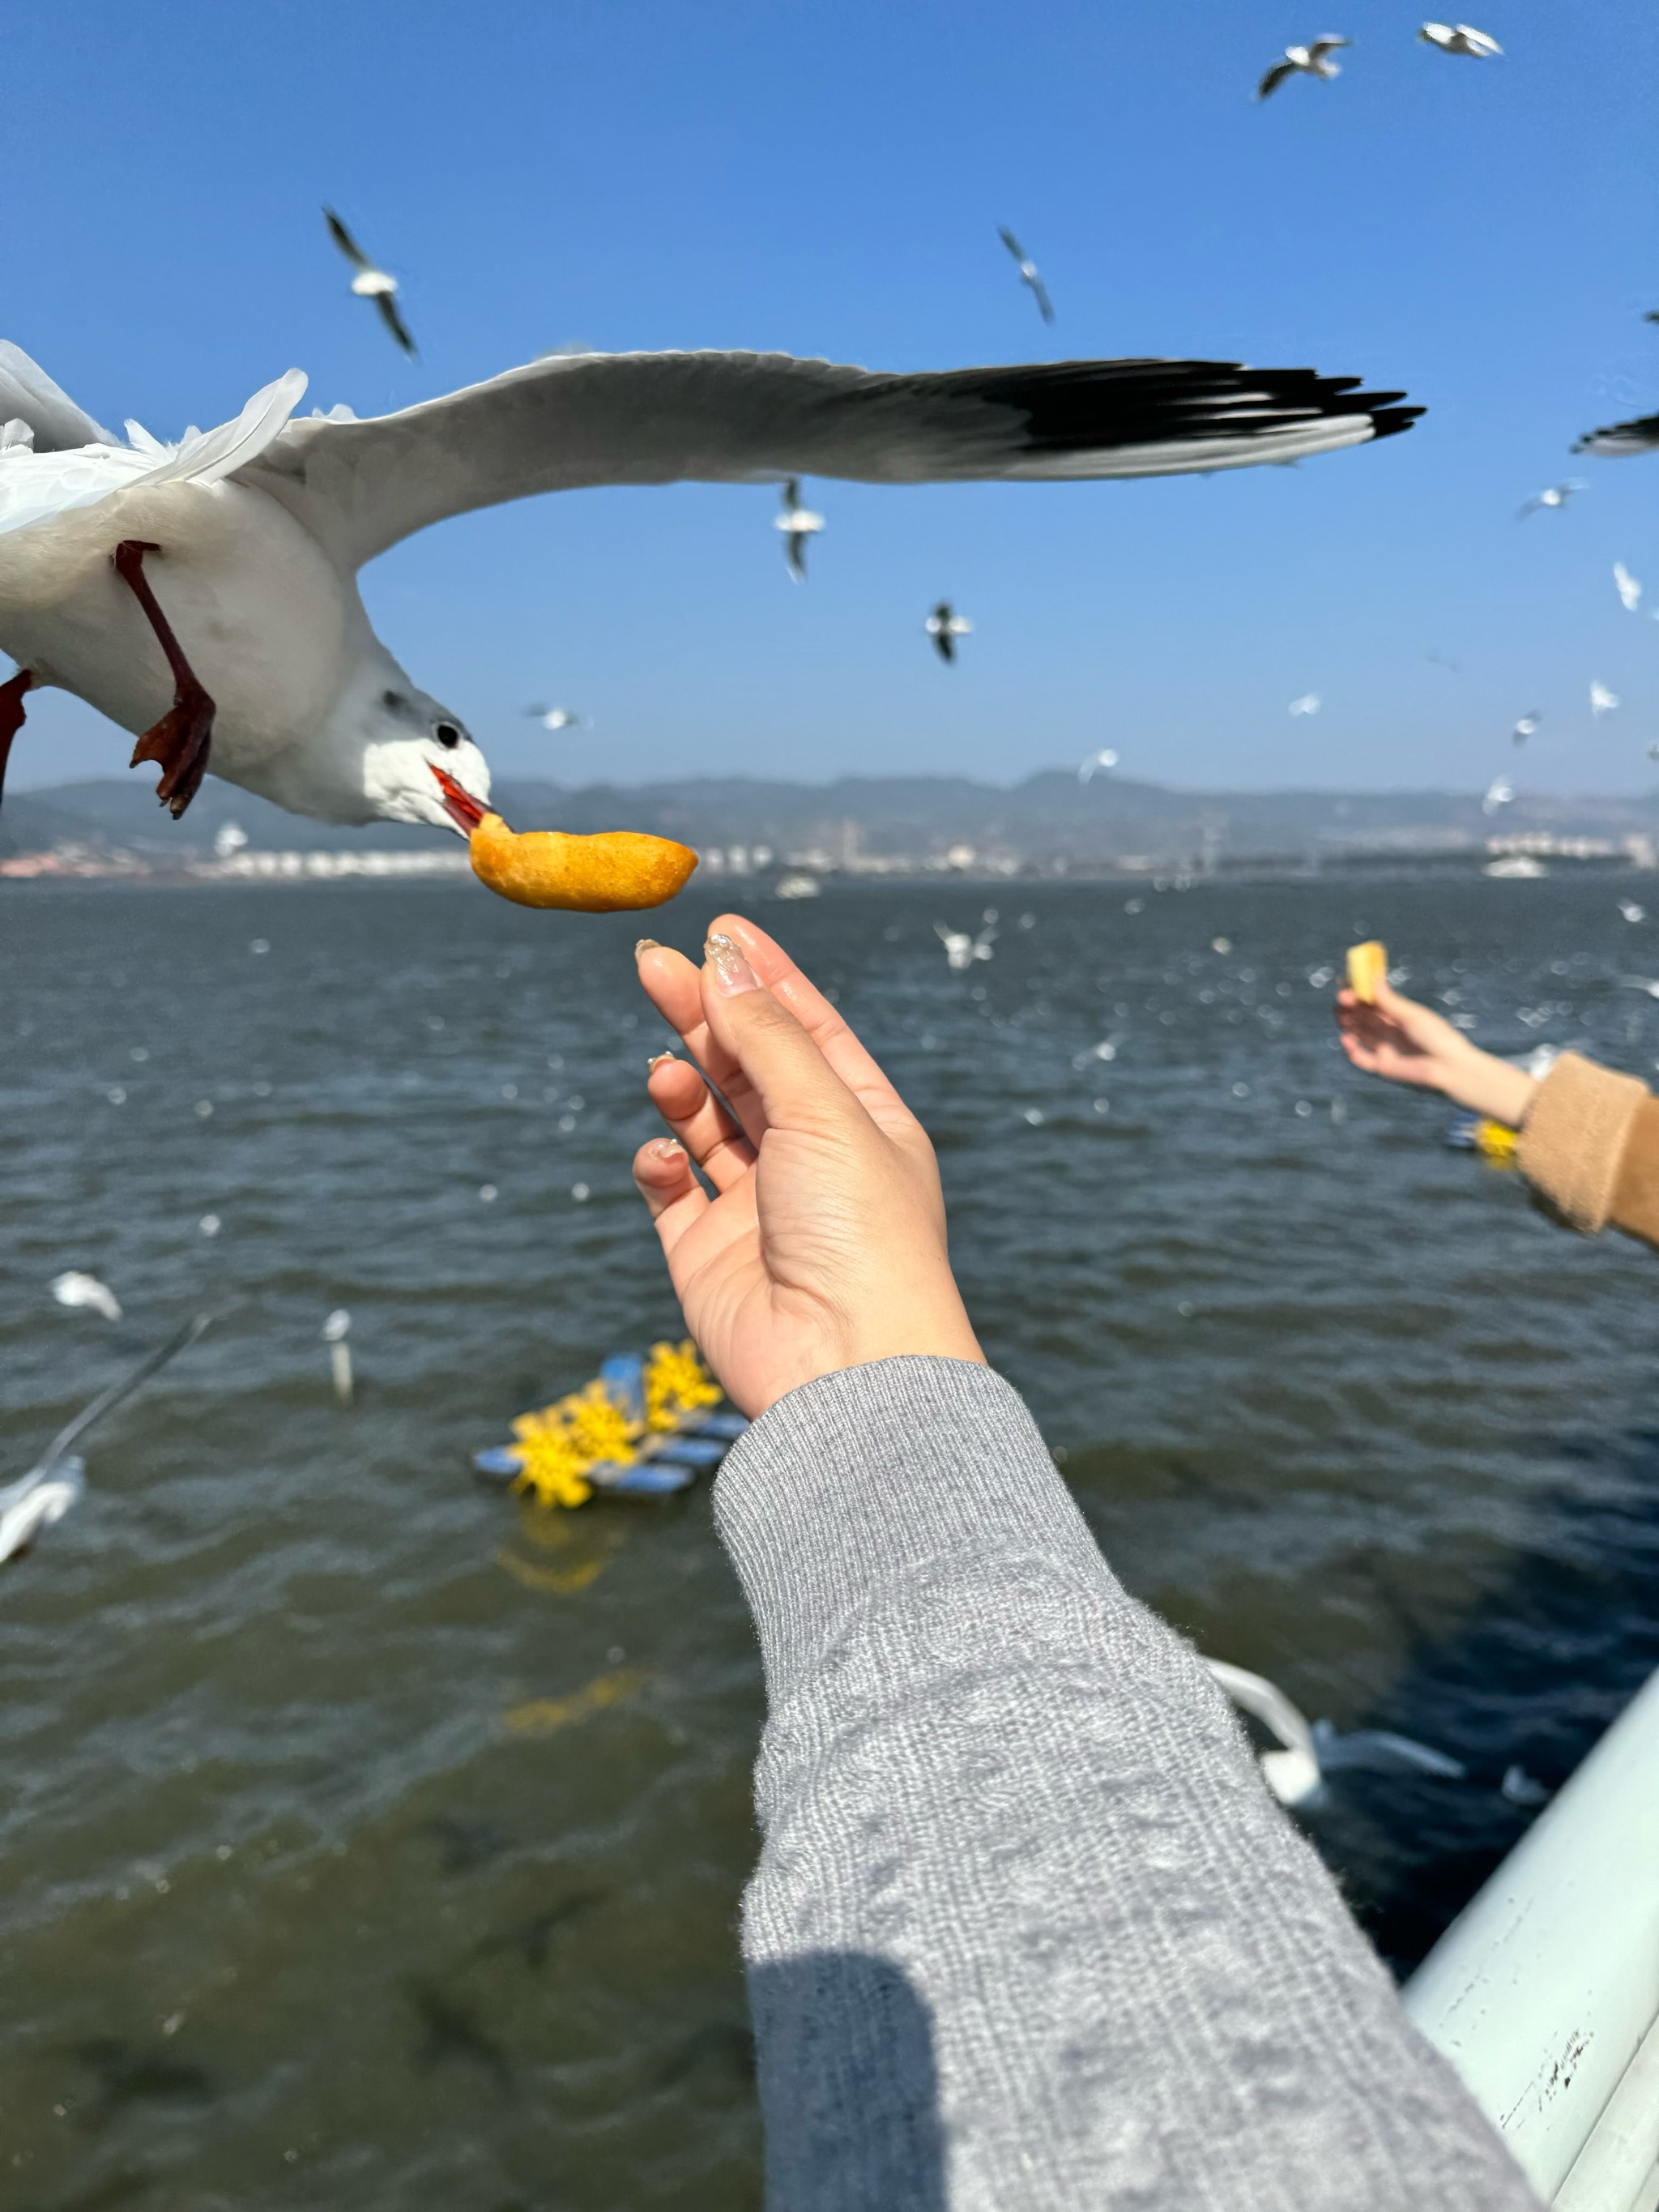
(858, 1068)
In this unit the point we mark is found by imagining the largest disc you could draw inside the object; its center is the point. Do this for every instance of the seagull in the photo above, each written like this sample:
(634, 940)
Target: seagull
(1442, 660)
(1296, 1772)
(57, 1479)
(1556, 495)
(1632, 912)
(1029, 274)
(73, 1288)
(961, 951)
(1311, 60)
(944, 628)
(1307, 704)
(224, 576)
(371, 283)
(1526, 727)
(1106, 759)
(1602, 702)
(1622, 440)
(1626, 586)
(555, 718)
(798, 524)
(1499, 792)
(1460, 39)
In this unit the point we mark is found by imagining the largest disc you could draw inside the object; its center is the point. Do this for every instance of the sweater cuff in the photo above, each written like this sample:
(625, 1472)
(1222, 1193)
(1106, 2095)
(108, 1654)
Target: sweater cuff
(1573, 1139)
(853, 1480)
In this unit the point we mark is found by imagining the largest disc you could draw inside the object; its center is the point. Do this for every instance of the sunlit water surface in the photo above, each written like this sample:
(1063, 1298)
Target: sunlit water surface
(370, 1841)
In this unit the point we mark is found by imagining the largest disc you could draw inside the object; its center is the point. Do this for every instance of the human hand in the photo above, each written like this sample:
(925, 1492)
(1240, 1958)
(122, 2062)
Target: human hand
(824, 1245)
(1396, 1038)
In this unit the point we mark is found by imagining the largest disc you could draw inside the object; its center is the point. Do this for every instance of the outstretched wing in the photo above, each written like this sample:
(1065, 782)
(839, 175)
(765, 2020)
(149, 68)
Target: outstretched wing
(28, 393)
(346, 244)
(387, 304)
(1275, 76)
(1011, 242)
(584, 419)
(1040, 294)
(1320, 47)
(1621, 439)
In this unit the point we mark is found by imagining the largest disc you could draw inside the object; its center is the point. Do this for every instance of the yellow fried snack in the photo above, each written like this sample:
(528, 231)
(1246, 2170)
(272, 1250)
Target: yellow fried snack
(615, 869)
(1368, 968)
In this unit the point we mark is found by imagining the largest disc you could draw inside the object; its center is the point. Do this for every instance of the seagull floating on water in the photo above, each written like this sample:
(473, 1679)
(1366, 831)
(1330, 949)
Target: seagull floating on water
(58, 1477)
(1622, 440)
(219, 573)
(1460, 39)
(1296, 1772)
(1526, 727)
(1602, 702)
(74, 1289)
(1628, 588)
(1312, 60)
(944, 627)
(371, 283)
(1631, 911)
(555, 718)
(798, 524)
(1555, 495)
(1029, 274)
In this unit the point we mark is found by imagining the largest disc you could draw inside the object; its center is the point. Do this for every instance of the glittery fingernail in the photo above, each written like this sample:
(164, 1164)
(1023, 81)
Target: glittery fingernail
(657, 1060)
(645, 945)
(668, 1148)
(726, 965)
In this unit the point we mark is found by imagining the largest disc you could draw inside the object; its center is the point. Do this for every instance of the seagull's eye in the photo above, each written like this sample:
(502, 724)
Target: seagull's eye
(448, 735)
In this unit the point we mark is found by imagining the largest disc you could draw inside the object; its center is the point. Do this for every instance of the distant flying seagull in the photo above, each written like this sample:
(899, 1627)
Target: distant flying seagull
(1526, 727)
(235, 622)
(1653, 752)
(1628, 588)
(944, 628)
(1028, 275)
(1441, 661)
(1307, 704)
(555, 718)
(961, 951)
(798, 524)
(1556, 495)
(371, 283)
(74, 1289)
(1602, 702)
(1460, 39)
(1499, 792)
(1107, 759)
(1311, 60)
(1622, 440)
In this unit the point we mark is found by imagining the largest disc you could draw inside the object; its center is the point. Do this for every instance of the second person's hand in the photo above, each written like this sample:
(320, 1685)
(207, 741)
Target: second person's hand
(1405, 1042)
(823, 1244)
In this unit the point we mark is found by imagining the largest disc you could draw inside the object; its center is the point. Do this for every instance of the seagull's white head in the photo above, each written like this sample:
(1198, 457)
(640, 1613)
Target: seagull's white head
(380, 746)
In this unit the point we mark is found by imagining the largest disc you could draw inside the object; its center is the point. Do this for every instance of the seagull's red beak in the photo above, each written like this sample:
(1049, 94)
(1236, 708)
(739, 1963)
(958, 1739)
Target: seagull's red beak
(462, 808)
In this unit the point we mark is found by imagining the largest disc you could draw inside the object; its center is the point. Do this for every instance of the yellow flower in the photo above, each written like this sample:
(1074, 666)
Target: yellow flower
(562, 1441)
(676, 1383)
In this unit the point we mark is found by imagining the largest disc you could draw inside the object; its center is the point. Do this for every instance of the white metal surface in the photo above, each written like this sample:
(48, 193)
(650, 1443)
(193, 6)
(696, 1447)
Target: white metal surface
(1543, 1991)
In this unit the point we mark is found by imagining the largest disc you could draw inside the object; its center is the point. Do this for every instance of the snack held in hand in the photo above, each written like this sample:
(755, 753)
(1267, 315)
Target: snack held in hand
(546, 867)
(1368, 968)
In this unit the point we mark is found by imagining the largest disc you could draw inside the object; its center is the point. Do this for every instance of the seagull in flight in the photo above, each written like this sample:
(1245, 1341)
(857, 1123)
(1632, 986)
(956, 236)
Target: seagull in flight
(1628, 586)
(1106, 759)
(1460, 39)
(555, 718)
(1309, 703)
(1029, 273)
(1526, 727)
(961, 951)
(1499, 792)
(1554, 496)
(798, 524)
(212, 608)
(1311, 60)
(74, 1288)
(371, 283)
(944, 627)
(1602, 702)
(1622, 440)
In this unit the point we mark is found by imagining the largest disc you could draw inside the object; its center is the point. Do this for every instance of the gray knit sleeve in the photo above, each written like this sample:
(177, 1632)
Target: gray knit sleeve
(1027, 1929)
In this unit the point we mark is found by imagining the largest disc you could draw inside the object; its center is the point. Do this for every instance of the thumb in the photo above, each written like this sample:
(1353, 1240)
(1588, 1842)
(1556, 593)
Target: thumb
(795, 1084)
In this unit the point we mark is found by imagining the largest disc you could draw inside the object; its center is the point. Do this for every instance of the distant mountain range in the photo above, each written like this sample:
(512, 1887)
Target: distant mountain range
(1048, 819)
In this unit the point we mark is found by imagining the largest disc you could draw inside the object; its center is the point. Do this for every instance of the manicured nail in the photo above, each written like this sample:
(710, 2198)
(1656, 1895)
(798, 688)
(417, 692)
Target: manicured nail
(657, 1060)
(731, 971)
(668, 1148)
(644, 944)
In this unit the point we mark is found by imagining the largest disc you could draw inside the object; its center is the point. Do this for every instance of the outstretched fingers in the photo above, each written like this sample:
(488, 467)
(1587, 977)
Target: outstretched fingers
(674, 1198)
(699, 1121)
(674, 987)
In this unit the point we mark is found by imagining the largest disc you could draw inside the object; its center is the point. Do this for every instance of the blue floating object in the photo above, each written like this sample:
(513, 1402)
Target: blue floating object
(730, 1426)
(687, 1451)
(497, 1463)
(623, 1377)
(1461, 1137)
(646, 1478)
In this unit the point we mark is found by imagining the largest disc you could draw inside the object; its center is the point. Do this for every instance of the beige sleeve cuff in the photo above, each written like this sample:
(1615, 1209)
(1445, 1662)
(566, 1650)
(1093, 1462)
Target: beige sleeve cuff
(1573, 1139)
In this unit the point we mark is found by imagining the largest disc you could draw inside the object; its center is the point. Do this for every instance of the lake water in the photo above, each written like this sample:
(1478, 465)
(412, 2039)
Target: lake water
(371, 1840)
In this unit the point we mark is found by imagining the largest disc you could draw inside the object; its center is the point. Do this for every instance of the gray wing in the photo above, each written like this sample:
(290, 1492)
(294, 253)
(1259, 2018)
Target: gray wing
(346, 244)
(1040, 293)
(585, 419)
(387, 304)
(1275, 76)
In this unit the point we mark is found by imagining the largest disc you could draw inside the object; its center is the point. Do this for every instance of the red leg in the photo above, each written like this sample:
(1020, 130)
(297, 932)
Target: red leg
(180, 739)
(12, 714)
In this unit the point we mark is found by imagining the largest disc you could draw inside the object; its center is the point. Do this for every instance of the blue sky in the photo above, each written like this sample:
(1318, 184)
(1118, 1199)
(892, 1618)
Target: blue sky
(830, 180)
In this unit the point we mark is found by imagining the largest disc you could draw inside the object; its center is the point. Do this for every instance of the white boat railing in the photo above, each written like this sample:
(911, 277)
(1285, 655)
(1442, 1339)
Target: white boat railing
(1544, 1992)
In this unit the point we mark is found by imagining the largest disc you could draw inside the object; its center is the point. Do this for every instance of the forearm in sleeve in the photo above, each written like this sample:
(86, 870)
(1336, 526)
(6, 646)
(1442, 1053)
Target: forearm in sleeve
(1027, 1929)
(1590, 1148)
